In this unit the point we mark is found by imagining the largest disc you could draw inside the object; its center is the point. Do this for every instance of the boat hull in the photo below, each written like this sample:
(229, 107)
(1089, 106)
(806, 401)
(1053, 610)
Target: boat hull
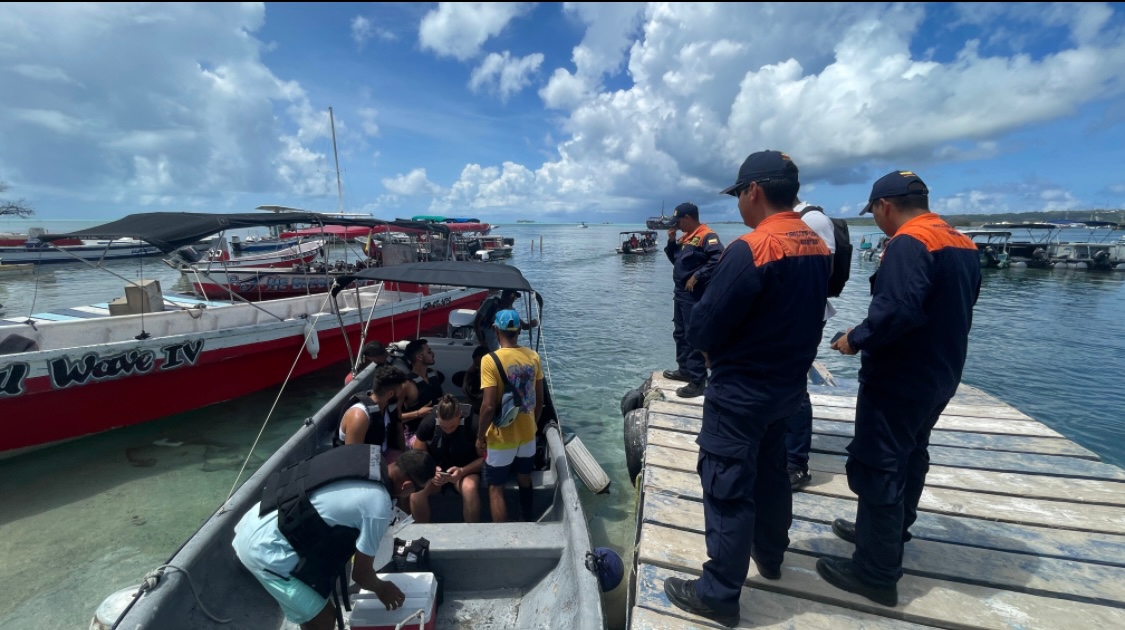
(49, 255)
(262, 283)
(51, 396)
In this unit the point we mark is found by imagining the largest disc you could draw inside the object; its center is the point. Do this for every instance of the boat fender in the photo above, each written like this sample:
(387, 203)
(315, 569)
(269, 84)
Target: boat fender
(586, 467)
(607, 565)
(312, 342)
(633, 399)
(636, 426)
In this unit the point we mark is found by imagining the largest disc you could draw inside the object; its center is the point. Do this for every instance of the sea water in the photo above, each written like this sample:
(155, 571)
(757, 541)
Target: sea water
(83, 519)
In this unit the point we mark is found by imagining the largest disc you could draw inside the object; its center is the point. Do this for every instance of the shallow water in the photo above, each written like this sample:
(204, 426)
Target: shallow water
(83, 519)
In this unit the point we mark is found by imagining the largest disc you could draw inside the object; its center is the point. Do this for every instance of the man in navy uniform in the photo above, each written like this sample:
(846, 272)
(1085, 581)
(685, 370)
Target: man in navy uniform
(914, 342)
(759, 323)
(694, 257)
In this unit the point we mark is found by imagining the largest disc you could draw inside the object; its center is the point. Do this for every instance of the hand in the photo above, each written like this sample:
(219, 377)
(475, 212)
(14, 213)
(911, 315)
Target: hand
(534, 323)
(482, 448)
(843, 346)
(440, 478)
(672, 233)
(455, 473)
(391, 596)
(690, 284)
(424, 411)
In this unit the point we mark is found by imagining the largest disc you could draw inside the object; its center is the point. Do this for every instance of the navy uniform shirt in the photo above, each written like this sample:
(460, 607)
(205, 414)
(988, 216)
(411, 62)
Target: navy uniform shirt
(694, 254)
(916, 334)
(760, 324)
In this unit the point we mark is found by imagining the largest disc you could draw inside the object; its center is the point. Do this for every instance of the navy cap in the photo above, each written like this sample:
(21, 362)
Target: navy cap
(687, 209)
(895, 184)
(761, 166)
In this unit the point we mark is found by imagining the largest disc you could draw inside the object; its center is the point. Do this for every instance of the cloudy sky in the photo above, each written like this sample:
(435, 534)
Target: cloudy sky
(555, 112)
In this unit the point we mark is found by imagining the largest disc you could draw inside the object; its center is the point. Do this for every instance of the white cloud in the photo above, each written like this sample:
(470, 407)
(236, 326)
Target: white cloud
(363, 29)
(459, 29)
(1027, 196)
(503, 75)
(845, 98)
(414, 183)
(367, 121)
(610, 27)
(181, 109)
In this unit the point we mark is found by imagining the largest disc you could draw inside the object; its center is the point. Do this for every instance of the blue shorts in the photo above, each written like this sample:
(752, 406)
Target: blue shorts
(499, 475)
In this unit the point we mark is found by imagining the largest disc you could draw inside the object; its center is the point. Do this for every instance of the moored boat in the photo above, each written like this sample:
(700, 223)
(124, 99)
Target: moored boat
(34, 250)
(297, 254)
(992, 245)
(537, 574)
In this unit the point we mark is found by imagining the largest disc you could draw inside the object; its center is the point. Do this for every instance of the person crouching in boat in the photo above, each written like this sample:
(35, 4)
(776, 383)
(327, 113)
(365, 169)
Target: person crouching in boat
(375, 419)
(450, 438)
(316, 515)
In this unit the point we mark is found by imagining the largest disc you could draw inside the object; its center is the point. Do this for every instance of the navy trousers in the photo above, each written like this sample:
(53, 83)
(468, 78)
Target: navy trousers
(688, 359)
(747, 508)
(798, 437)
(887, 464)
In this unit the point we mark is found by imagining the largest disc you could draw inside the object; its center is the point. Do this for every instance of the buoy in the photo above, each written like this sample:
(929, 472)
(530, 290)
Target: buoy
(636, 428)
(586, 466)
(312, 342)
(608, 566)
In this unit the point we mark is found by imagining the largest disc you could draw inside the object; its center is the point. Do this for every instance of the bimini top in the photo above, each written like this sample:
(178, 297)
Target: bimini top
(1021, 226)
(641, 232)
(474, 275)
(169, 231)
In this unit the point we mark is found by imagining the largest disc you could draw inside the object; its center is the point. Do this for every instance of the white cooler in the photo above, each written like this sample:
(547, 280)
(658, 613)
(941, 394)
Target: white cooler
(368, 613)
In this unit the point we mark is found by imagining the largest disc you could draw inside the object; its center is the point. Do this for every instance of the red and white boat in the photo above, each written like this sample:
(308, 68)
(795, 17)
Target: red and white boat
(94, 372)
(300, 254)
(264, 283)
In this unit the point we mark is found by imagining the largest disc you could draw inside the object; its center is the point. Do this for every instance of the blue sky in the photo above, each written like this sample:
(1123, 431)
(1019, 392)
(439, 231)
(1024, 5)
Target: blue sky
(555, 112)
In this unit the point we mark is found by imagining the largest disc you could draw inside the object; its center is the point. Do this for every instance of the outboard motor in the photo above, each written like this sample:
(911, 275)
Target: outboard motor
(461, 323)
(188, 254)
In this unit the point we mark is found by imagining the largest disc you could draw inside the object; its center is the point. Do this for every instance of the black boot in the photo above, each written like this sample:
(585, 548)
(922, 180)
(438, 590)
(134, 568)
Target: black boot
(676, 375)
(798, 478)
(843, 529)
(681, 593)
(767, 571)
(691, 390)
(841, 574)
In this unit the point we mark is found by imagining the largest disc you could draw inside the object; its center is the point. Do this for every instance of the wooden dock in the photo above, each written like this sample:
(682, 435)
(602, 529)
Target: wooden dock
(1018, 527)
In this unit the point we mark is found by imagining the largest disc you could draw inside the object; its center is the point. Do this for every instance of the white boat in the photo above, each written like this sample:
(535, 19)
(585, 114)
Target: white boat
(496, 575)
(491, 248)
(221, 259)
(638, 242)
(35, 251)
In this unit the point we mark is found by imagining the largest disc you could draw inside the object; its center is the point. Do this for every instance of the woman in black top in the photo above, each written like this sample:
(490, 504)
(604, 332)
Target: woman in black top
(451, 439)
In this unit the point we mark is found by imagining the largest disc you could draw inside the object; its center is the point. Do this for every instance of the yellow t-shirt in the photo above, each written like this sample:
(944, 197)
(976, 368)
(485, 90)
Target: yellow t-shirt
(523, 370)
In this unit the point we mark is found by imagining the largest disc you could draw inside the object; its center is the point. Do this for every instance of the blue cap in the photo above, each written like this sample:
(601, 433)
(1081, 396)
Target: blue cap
(508, 319)
(895, 184)
(686, 209)
(761, 166)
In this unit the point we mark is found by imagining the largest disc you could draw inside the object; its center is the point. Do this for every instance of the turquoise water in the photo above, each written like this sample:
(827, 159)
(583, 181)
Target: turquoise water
(83, 519)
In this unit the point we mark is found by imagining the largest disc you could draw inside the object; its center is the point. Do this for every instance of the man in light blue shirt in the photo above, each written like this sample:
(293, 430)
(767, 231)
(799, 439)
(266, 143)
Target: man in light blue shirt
(360, 504)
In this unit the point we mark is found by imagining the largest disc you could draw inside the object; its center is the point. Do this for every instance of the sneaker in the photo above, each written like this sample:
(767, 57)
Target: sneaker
(841, 574)
(798, 478)
(681, 593)
(844, 530)
(691, 390)
(676, 375)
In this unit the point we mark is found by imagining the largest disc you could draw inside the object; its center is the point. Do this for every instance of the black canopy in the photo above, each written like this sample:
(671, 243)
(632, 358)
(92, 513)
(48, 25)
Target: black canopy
(170, 231)
(476, 275)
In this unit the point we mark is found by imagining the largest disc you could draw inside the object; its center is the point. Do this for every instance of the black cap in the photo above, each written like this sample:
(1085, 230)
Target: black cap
(374, 349)
(761, 166)
(686, 209)
(895, 184)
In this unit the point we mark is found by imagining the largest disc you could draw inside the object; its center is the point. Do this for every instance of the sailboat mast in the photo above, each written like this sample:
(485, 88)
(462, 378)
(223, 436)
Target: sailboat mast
(339, 188)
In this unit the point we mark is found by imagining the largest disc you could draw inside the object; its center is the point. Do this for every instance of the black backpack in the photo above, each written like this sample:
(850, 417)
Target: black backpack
(842, 259)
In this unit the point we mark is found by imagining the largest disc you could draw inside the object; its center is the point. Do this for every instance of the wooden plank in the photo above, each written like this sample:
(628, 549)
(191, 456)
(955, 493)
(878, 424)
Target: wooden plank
(1059, 514)
(1017, 538)
(1058, 466)
(986, 481)
(759, 609)
(954, 408)
(985, 441)
(1079, 581)
(842, 414)
(921, 599)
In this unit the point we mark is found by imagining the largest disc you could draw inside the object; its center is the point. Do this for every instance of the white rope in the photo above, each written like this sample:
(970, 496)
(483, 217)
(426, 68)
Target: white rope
(275, 401)
(366, 324)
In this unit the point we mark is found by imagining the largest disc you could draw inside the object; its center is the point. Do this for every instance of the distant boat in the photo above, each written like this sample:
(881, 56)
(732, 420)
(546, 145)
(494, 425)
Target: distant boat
(525, 221)
(583, 225)
(662, 222)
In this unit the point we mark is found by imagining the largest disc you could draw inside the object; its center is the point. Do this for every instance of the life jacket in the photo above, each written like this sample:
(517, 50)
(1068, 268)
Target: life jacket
(376, 423)
(322, 550)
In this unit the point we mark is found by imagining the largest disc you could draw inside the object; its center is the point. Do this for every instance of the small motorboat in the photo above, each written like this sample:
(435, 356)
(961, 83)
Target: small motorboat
(638, 242)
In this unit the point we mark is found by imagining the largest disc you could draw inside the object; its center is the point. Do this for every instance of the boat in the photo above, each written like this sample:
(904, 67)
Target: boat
(662, 222)
(992, 245)
(508, 575)
(1095, 254)
(456, 225)
(36, 251)
(583, 225)
(1034, 251)
(490, 248)
(869, 251)
(638, 242)
(145, 347)
(221, 259)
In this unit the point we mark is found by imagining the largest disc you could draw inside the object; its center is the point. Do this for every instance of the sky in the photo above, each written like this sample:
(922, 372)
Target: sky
(555, 112)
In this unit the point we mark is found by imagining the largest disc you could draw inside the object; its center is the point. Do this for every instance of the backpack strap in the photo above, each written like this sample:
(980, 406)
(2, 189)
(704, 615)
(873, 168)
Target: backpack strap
(808, 209)
(505, 382)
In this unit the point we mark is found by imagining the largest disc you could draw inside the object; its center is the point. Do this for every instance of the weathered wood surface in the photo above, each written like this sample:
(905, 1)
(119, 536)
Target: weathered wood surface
(1017, 528)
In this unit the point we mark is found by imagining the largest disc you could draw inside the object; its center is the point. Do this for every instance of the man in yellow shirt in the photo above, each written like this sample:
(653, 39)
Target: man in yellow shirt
(511, 448)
